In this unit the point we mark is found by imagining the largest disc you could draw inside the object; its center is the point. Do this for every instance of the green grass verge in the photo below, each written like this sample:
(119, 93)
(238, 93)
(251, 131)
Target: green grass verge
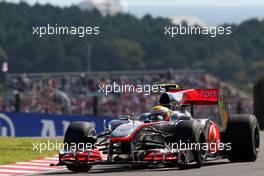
(21, 149)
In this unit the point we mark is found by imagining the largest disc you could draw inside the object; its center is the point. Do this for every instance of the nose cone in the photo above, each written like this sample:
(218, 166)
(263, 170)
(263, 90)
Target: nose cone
(125, 130)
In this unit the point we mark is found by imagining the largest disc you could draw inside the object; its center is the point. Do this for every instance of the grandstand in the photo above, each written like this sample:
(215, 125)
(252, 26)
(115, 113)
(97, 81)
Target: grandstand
(77, 93)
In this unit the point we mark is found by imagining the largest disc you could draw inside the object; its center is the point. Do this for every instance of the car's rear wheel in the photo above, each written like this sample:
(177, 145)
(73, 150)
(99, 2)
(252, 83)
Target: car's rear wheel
(243, 134)
(79, 133)
(191, 133)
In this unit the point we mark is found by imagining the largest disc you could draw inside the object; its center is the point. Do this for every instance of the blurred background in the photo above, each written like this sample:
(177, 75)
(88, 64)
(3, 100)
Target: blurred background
(61, 74)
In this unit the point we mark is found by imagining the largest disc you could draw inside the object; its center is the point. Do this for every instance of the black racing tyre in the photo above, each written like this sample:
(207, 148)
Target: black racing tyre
(243, 134)
(75, 168)
(191, 132)
(76, 133)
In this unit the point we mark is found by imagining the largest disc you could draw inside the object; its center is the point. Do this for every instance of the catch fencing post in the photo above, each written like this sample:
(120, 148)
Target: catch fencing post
(259, 101)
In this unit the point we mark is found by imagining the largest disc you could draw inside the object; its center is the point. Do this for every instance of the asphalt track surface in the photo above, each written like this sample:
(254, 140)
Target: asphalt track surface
(212, 168)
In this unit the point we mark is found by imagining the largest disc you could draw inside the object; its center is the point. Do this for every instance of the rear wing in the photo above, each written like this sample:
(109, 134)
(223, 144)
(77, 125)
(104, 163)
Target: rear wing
(196, 96)
(193, 97)
(186, 96)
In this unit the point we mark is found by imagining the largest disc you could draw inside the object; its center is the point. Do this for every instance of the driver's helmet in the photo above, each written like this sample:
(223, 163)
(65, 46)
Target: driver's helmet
(159, 113)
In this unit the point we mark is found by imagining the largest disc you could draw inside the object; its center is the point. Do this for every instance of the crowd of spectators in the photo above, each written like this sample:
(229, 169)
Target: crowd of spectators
(79, 94)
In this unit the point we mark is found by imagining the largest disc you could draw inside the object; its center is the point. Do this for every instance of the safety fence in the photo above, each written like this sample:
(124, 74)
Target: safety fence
(42, 125)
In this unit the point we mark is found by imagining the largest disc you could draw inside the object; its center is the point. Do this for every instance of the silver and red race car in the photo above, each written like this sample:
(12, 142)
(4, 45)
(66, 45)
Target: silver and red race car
(186, 129)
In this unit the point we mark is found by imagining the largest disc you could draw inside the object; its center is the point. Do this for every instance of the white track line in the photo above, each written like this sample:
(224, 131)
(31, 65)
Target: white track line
(26, 167)
(15, 171)
(30, 167)
(45, 172)
(52, 158)
(44, 161)
(34, 164)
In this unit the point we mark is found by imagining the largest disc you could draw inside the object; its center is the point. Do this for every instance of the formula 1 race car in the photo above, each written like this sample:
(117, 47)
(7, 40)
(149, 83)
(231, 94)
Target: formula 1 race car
(187, 128)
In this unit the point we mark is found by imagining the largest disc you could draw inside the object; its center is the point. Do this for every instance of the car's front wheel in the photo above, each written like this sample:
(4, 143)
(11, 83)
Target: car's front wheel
(79, 133)
(190, 133)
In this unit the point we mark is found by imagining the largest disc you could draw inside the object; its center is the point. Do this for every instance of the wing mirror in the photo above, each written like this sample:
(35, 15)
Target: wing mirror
(124, 117)
(105, 126)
